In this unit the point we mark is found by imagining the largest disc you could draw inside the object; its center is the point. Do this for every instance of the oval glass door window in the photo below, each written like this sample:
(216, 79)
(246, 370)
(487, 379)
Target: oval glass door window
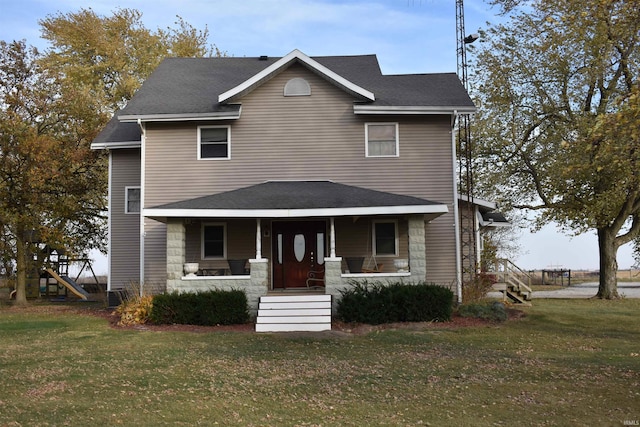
(299, 247)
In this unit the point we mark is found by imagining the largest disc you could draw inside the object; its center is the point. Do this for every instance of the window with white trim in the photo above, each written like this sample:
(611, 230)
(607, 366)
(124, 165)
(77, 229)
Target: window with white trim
(297, 86)
(385, 238)
(132, 200)
(214, 142)
(381, 139)
(214, 241)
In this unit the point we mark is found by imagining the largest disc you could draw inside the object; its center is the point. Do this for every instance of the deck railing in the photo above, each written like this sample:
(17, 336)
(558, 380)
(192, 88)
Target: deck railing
(507, 272)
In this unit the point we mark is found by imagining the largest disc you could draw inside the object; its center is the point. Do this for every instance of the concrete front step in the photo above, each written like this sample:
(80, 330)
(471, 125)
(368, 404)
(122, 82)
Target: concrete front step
(275, 327)
(293, 305)
(296, 298)
(268, 313)
(288, 313)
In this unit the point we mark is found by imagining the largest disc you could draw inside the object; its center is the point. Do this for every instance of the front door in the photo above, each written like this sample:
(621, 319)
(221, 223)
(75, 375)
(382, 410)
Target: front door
(299, 248)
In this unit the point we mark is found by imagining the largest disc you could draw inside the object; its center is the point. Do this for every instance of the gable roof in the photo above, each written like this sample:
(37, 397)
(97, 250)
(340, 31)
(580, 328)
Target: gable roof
(287, 199)
(182, 89)
(283, 63)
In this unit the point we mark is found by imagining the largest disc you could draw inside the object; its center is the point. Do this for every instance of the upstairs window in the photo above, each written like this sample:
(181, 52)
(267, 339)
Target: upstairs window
(132, 200)
(297, 86)
(381, 139)
(214, 142)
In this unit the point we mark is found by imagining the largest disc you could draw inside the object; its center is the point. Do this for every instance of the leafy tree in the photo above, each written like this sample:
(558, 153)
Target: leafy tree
(52, 185)
(558, 88)
(109, 57)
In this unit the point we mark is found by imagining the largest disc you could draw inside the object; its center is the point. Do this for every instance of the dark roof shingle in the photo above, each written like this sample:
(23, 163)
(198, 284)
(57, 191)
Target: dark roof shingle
(298, 195)
(192, 85)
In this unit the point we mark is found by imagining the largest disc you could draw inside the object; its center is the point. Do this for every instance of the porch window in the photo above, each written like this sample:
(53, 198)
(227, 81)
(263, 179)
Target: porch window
(385, 238)
(214, 142)
(132, 200)
(381, 139)
(214, 238)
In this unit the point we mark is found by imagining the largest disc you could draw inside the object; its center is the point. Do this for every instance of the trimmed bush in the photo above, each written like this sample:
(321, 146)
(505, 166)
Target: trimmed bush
(204, 308)
(375, 303)
(496, 311)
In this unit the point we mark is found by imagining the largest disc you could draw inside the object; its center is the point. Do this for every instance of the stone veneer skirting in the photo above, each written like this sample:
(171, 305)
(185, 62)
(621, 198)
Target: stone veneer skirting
(256, 284)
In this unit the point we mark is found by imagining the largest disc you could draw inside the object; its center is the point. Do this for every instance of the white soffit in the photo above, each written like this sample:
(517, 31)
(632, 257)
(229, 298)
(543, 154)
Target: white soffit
(295, 213)
(383, 109)
(480, 202)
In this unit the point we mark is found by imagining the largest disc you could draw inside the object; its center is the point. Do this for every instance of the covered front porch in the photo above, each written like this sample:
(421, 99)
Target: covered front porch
(284, 247)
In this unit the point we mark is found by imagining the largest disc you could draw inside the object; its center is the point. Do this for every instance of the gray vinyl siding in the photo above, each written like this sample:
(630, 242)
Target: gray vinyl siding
(315, 137)
(155, 256)
(124, 255)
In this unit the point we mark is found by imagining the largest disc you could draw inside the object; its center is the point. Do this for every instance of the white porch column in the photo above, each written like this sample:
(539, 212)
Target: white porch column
(258, 239)
(332, 238)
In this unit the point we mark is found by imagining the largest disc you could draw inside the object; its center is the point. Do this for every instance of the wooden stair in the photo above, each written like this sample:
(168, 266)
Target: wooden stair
(511, 282)
(290, 313)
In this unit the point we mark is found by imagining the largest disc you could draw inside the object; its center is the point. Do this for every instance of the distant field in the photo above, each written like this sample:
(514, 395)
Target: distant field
(568, 362)
(580, 276)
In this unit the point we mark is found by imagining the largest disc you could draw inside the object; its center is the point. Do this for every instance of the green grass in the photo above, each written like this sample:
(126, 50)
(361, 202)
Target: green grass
(569, 362)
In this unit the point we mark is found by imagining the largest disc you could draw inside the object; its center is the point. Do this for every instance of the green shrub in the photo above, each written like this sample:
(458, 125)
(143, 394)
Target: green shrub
(204, 308)
(495, 311)
(375, 303)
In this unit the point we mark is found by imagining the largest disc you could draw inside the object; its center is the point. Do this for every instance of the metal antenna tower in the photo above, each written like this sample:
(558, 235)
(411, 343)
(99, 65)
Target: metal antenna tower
(468, 245)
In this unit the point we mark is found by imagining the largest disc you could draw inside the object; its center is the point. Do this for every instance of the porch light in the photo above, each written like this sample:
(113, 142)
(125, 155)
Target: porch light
(471, 38)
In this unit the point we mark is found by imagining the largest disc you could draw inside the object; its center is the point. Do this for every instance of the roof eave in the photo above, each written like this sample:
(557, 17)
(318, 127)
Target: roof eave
(479, 202)
(283, 62)
(492, 224)
(436, 209)
(115, 145)
(180, 117)
(412, 110)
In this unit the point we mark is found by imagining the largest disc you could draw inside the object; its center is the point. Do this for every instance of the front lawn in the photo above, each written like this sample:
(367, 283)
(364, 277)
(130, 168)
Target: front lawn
(568, 362)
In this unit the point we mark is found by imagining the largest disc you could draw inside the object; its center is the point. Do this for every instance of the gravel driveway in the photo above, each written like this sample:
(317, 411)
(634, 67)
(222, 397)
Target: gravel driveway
(583, 290)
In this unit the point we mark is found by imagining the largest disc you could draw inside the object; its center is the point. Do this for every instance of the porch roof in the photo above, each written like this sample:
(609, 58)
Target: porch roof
(296, 199)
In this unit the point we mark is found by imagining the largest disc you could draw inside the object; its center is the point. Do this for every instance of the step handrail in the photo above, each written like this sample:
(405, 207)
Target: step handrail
(511, 271)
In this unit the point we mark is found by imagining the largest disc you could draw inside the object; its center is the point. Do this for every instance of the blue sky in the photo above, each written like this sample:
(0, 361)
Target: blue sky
(408, 36)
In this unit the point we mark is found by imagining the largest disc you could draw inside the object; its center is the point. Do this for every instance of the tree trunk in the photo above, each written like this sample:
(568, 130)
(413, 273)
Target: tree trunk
(608, 288)
(21, 270)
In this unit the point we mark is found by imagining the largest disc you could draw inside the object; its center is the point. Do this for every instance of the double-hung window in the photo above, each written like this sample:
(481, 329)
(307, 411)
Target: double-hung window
(214, 142)
(132, 200)
(381, 140)
(385, 238)
(214, 238)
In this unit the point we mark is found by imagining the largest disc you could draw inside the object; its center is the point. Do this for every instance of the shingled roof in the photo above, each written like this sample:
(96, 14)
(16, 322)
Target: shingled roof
(296, 199)
(190, 89)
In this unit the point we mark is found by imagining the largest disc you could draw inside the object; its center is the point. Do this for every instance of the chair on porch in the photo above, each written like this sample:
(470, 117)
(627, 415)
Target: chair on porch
(313, 281)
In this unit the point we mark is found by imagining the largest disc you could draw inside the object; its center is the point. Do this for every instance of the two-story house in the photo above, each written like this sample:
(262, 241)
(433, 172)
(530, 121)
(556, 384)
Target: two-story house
(271, 173)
